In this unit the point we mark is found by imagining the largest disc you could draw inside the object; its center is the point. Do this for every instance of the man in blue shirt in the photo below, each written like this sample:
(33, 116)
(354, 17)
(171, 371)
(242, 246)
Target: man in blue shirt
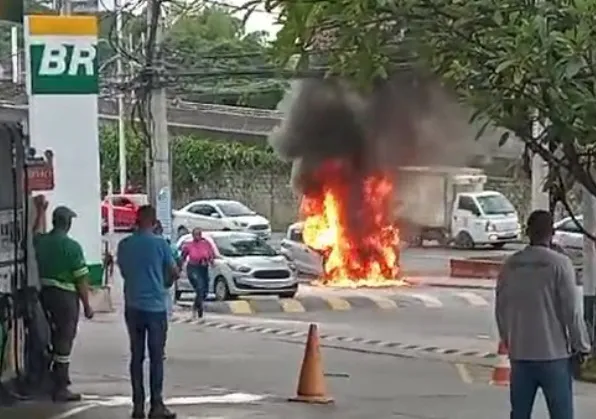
(145, 261)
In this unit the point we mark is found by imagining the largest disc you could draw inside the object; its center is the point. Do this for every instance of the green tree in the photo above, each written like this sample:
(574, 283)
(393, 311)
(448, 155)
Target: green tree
(214, 60)
(515, 62)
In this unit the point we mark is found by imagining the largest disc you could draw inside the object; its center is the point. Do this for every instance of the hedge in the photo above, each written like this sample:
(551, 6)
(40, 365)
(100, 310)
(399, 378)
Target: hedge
(194, 159)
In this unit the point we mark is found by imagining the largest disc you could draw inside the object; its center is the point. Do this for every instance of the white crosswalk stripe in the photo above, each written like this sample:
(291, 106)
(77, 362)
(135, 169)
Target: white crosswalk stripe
(473, 299)
(427, 299)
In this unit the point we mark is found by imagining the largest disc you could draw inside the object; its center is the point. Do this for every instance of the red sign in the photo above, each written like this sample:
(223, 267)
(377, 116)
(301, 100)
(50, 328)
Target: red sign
(40, 177)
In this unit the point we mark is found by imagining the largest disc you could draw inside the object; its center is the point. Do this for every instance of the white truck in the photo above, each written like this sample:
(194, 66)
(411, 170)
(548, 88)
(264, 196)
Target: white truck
(450, 205)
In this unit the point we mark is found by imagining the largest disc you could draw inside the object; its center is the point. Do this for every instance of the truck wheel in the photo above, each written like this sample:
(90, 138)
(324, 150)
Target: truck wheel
(416, 241)
(443, 240)
(464, 241)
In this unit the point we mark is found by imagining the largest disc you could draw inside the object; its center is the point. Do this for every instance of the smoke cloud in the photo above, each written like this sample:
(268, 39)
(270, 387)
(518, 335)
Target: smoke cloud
(405, 121)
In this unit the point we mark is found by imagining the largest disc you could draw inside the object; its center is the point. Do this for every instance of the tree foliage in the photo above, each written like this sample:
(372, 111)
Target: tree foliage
(219, 61)
(516, 62)
(193, 159)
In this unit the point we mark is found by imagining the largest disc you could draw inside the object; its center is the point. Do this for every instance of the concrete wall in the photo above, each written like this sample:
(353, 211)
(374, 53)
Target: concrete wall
(271, 195)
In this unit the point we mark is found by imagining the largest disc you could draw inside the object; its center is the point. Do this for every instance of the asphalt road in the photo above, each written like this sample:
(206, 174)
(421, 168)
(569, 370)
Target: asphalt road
(429, 260)
(222, 374)
(449, 319)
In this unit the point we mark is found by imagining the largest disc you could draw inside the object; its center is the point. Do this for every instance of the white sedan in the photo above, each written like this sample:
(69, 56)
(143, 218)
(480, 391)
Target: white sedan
(219, 215)
(570, 238)
(244, 265)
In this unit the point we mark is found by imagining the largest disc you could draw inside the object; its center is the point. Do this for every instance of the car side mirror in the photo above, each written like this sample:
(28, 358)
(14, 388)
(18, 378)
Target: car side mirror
(215, 215)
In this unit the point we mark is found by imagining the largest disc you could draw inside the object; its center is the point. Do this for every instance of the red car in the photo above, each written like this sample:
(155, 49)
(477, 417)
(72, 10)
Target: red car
(125, 211)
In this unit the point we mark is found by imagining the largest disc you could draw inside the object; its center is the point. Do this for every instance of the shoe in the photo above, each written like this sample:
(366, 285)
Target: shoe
(66, 396)
(161, 412)
(138, 413)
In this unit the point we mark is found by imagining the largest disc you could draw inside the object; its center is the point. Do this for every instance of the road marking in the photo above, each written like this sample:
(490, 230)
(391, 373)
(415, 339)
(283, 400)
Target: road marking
(232, 398)
(291, 305)
(240, 307)
(473, 299)
(427, 300)
(382, 302)
(463, 373)
(119, 401)
(337, 304)
(75, 411)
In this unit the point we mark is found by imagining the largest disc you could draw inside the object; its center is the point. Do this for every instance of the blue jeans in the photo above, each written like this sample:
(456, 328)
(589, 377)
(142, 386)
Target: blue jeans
(198, 275)
(553, 377)
(146, 329)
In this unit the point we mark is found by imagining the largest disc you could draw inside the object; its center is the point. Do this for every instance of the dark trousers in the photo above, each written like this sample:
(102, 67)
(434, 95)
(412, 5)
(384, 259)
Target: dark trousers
(146, 330)
(62, 311)
(198, 275)
(555, 380)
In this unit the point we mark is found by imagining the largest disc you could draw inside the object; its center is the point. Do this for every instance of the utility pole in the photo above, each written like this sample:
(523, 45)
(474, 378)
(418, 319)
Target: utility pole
(540, 198)
(14, 51)
(120, 77)
(160, 172)
(589, 263)
(65, 7)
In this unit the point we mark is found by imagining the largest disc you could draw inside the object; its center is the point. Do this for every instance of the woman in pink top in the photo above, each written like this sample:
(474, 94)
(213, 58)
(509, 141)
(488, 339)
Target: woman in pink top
(198, 254)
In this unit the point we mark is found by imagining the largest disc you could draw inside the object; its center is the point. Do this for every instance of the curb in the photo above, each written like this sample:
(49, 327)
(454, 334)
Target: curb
(289, 333)
(302, 304)
(474, 268)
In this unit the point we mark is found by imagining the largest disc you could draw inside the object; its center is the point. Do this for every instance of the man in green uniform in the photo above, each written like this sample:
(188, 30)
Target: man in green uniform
(63, 274)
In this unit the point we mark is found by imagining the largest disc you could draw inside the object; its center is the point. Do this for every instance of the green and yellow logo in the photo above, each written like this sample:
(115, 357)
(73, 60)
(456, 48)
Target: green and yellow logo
(63, 55)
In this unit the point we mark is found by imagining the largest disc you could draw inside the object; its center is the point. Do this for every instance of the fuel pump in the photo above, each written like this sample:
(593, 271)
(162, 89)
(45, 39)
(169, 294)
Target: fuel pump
(24, 334)
(13, 268)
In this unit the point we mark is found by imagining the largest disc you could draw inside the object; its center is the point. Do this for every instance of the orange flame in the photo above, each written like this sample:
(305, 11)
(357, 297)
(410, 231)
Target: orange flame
(366, 254)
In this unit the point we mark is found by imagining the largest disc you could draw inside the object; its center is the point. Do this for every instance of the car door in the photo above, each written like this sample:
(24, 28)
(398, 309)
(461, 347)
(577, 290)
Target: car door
(306, 259)
(569, 237)
(461, 218)
(128, 212)
(119, 208)
(200, 215)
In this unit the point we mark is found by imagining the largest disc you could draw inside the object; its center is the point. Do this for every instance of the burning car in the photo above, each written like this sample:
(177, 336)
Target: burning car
(307, 260)
(347, 146)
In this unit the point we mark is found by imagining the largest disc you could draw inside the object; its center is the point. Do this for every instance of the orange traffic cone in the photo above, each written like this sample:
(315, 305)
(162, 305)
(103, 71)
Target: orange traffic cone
(502, 370)
(311, 384)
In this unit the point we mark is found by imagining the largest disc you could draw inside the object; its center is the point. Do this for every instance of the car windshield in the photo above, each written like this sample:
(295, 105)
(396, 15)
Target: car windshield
(234, 209)
(235, 246)
(495, 204)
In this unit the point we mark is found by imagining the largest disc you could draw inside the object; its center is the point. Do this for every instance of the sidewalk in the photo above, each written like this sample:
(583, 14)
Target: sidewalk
(449, 282)
(485, 403)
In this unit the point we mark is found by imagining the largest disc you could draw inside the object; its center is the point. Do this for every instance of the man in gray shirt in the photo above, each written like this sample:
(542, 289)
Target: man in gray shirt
(540, 322)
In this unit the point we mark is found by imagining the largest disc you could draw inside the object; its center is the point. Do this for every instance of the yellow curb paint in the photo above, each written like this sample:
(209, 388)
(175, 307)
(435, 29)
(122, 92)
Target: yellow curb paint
(40, 25)
(290, 305)
(384, 303)
(338, 304)
(240, 307)
(463, 373)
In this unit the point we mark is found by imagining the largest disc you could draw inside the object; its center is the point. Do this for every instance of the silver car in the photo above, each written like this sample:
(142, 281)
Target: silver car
(570, 238)
(307, 260)
(244, 265)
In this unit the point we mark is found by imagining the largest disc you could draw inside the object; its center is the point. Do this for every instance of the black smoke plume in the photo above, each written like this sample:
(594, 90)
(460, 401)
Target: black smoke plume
(408, 120)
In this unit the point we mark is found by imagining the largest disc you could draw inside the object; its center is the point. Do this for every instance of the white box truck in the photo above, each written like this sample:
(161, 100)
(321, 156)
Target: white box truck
(450, 205)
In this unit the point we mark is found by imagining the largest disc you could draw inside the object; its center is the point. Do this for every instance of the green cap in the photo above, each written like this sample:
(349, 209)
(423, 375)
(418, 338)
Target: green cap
(63, 213)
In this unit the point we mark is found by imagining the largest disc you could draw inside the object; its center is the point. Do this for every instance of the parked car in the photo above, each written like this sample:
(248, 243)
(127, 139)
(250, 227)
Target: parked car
(245, 264)
(307, 260)
(219, 215)
(570, 238)
(125, 211)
